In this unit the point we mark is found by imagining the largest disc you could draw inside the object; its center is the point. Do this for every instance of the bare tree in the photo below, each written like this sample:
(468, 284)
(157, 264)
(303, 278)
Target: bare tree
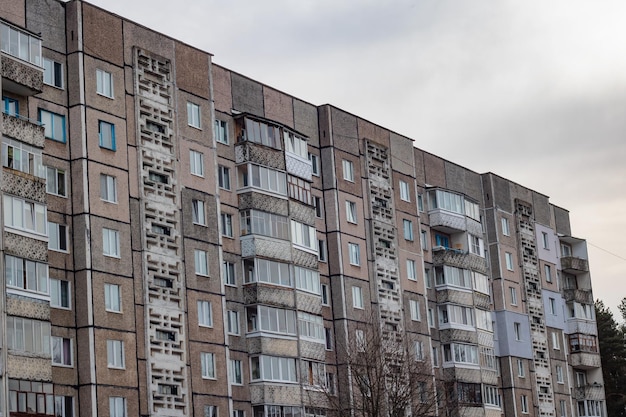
(383, 374)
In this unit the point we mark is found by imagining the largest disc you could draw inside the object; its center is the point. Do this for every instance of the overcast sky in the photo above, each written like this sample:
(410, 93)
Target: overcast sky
(533, 91)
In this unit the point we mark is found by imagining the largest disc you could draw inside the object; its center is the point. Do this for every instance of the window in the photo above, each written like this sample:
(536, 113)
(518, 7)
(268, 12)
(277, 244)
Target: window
(359, 337)
(524, 402)
(315, 164)
(20, 44)
(196, 163)
(435, 356)
(319, 210)
(211, 411)
(108, 188)
(233, 322)
(431, 317)
(520, 369)
(193, 115)
(234, 372)
(11, 106)
(420, 203)
(547, 269)
(311, 327)
(481, 283)
(552, 305)
(57, 237)
(517, 330)
(198, 213)
(270, 319)
(322, 253)
(424, 239)
(476, 245)
(355, 254)
(450, 275)
(25, 274)
(115, 354)
(55, 181)
(263, 270)
(460, 353)
(555, 341)
(295, 145)
(201, 264)
(456, 314)
(415, 310)
(262, 133)
(491, 396)
(506, 231)
(488, 358)
(272, 368)
(563, 408)
(226, 224)
(223, 176)
(328, 334)
(104, 83)
(351, 211)
(59, 293)
(566, 250)
(298, 188)
(483, 320)
(267, 224)
(357, 297)
(54, 125)
(428, 277)
(221, 131)
(325, 295)
(307, 279)
(419, 351)
(106, 132)
(207, 364)
(61, 351)
(52, 73)
(117, 407)
(411, 270)
(25, 335)
(545, 240)
(205, 314)
(407, 226)
(405, 194)
(303, 235)
(110, 243)
(559, 374)
(348, 170)
(513, 291)
(508, 257)
(228, 273)
(63, 406)
(112, 298)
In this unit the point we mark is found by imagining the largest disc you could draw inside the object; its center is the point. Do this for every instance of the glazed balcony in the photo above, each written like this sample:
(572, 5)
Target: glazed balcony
(23, 129)
(22, 65)
(274, 295)
(574, 265)
(593, 391)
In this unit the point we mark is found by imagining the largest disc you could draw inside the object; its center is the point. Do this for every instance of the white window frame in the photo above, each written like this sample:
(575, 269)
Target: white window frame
(508, 257)
(414, 306)
(193, 115)
(547, 270)
(117, 407)
(407, 227)
(25, 215)
(513, 292)
(115, 354)
(64, 406)
(521, 371)
(354, 251)
(58, 237)
(59, 343)
(60, 290)
(221, 131)
(104, 83)
(232, 322)
(411, 270)
(228, 273)
(348, 170)
(405, 193)
(196, 163)
(524, 404)
(223, 177)
(205, 313)
(112, 298)
(56, 183)
(431, 317)
(226, 224)
(207, 365)
(506, 229)
(201, 262)
(198, 212)
(559, 375)
(108, 188)
(235, 372)
(357, 297)
(351, 212)
(52, 73)
(545, 241)
(517, 331)
(325, 293)
(556, 345)
(110, 243)
(315, 164)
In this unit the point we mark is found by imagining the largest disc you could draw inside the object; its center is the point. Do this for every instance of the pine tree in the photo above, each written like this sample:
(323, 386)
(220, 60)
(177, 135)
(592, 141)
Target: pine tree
(613, 356)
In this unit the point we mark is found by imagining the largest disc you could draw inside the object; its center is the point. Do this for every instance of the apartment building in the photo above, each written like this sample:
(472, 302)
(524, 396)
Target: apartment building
(181, 240)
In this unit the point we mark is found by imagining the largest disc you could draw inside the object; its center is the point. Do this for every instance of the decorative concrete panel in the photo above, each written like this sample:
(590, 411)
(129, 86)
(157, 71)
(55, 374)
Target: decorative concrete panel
(27, 307)
(447, 221)
(263, 202)
(454, 296)
(485, 338)
(254, 245)
(588, 392)
(302, 213)
(305, 259)
(21, 73)
(312, 350)
(493, 412)
(471, 412)
(24, 130)
(299, 167)
(259, 154)
(462, 374)
(460, 259)
(457, 335)
(269, 295)
(308, 302)
(273, 346)
(23, 367)
(275, 394)
(574, 265)
(474, 227)
(580, 296)
(490, 377)
(581, 326)
(482, 300)
(26, 247)
(585, 360)
(24, 185)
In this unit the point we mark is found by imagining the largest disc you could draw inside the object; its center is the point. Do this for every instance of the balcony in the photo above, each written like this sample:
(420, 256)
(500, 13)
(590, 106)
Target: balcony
(25, 130)
(585, 360)
(581, 326)
(22, 66)
(579, 296)
(593, 391)
(272, 393)
(458, 258)
(298, 166)
(264, 343)
(274, 295)
(574, 265)
(447, 221)
(259, 154)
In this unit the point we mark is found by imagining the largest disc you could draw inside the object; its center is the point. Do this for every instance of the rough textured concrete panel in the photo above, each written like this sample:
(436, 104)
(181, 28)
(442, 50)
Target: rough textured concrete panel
(139, 37)
(325, 129)
(402, 158)
(47, 18)
(278, 106)
(434, 170)
(502, 194)
(420, 169)
(541, 208)
(13, 11)
(192, 70)
(306, 121)
(221, 89)
(345, 133)
(373, 132)
(247, 95)
(27, 307)
(104, 37)
(561, 218)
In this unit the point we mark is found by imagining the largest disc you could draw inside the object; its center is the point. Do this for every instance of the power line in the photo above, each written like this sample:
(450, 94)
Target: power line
(604, 250)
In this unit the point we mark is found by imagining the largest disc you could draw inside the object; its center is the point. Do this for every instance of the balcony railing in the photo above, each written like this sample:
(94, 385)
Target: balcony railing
(593, 391)
(574, 265)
